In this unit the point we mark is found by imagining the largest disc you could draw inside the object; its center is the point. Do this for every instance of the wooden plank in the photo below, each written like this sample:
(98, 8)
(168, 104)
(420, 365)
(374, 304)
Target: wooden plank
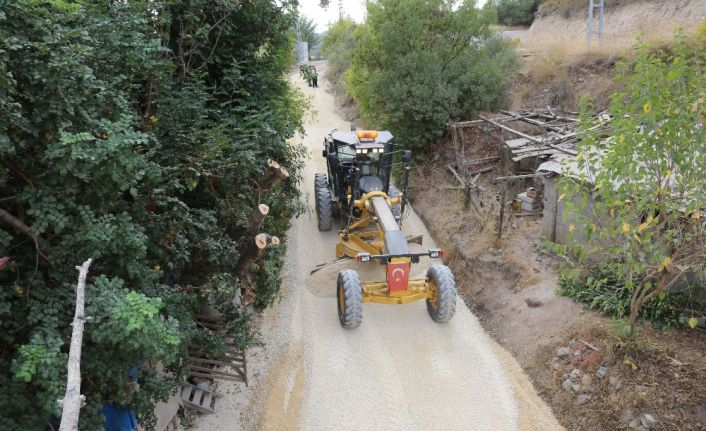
(208, 376)
(483, 160)
(515, 177)
(458, 177)
(215, 371)
(215, 362)
(531, 138)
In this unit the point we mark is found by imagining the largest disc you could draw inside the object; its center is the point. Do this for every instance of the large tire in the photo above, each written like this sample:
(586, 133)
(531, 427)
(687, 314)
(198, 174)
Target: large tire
(350, 299)
(323, 209)
(320, 180)
(443, 307)
(393, 192)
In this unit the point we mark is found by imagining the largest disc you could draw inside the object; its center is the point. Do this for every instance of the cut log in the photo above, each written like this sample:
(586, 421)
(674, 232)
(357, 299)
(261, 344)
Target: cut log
(274, 175)
(261, 242)
(256, 217)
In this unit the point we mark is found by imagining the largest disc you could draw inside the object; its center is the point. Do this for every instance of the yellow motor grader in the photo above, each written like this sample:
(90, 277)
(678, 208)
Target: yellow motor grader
(357, 189)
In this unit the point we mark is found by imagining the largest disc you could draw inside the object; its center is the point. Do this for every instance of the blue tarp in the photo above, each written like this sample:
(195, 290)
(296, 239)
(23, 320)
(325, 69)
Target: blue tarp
(118, 419)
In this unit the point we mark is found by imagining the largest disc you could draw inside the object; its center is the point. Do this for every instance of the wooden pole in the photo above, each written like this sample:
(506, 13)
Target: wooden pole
(73, 400)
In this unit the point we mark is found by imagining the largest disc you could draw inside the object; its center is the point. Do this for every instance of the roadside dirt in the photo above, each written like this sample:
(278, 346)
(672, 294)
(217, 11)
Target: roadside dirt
(398, 371)
(511, 284)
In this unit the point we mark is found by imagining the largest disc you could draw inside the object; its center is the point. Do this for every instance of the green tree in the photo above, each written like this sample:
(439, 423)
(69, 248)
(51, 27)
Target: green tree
(419, 63)
(307, 30)
(517, 12)
(641, 192)
(134, 133)
(338, 47)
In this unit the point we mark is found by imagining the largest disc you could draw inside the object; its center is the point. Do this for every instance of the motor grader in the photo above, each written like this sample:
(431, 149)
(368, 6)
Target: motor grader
(356, 188)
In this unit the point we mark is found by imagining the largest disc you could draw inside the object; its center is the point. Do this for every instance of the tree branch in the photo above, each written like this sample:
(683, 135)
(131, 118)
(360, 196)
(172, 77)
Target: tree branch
(73, 400)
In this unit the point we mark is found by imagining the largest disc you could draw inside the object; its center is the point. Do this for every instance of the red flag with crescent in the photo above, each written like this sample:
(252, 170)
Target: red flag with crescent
(398, 276)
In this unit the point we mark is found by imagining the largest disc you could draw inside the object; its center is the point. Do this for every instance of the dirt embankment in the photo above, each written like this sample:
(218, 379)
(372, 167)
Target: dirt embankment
(624, 21)
(590, 376)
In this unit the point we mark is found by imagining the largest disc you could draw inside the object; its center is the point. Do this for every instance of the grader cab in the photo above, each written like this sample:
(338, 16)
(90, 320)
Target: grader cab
(357, 189)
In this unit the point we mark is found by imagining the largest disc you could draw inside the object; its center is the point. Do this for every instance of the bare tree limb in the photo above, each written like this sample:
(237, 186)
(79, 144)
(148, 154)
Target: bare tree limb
(73, 400)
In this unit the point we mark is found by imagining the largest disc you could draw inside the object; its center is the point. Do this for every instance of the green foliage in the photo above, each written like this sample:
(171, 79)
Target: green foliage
(338, 46)
(307, 31)
(419, 63)
(133, 133)
(641, 191)
(517, 12)
(603, 289)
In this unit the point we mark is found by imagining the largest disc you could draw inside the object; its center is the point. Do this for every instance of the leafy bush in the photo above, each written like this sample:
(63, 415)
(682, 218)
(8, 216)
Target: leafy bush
(602, 289)
(419, 63)
(338, 46)
(517, 12)
(133, 133)
(640, 193)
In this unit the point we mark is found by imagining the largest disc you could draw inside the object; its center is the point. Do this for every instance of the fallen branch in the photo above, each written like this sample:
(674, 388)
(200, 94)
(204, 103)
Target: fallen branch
(73, 400)
(589, 345)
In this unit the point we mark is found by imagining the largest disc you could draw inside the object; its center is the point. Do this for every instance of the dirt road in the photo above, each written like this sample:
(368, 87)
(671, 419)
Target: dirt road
(398, 371)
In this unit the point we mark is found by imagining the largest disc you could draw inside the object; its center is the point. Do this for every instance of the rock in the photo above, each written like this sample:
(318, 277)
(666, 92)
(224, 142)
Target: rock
(614, 380)
(576, 387)
(587, 389)
(577, 353)
(567, 385)
(575, 374)
(627, 415)
(580, 79)
(586, 380)
(602, 372)
(563, 352)
(635, 424)
(582, 399)
(647, 420)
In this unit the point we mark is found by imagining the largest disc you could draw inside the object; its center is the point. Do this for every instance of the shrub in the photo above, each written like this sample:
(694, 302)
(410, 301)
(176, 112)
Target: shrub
(132, 133)
(647, 177)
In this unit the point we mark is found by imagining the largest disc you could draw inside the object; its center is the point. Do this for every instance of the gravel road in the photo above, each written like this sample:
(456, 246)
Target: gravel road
(398, 371)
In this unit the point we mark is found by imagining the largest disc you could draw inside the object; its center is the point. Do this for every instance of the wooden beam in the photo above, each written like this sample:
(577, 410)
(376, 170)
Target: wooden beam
(529, 137)
(517, 177)
(483, 160)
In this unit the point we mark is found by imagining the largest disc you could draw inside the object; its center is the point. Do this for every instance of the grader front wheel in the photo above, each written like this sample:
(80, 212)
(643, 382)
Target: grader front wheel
(350, 299)
(442, 304)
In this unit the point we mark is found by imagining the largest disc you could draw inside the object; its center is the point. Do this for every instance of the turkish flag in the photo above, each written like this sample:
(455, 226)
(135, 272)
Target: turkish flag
(398, 276)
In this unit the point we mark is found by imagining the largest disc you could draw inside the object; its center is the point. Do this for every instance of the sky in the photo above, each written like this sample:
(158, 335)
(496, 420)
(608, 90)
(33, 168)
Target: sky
(354, 9)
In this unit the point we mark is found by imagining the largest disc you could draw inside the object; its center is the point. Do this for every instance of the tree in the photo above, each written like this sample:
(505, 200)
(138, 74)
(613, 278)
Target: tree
(135, 133)
(643, 213)
(517, 12)
(307, 30)
(338, 46)
(419, 63)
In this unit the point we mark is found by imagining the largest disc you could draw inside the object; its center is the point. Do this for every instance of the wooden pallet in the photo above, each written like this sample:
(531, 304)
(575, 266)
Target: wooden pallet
(201, 400)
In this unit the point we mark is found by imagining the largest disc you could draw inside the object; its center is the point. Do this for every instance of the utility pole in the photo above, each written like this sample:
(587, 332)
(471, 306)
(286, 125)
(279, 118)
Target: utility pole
(340, 10)
(592, 6)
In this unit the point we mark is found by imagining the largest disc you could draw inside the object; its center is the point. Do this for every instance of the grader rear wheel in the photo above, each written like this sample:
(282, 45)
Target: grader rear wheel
(442, 305)
(350, 299)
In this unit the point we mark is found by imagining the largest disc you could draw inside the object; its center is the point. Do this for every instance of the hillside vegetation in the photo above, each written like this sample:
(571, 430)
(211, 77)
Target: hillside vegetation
(416, 64)
(134, 133)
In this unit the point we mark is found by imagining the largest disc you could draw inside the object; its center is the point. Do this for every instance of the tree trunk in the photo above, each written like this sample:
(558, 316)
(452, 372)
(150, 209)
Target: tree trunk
(73, 400)
(274, 175)
(256, 218)
(262, 241)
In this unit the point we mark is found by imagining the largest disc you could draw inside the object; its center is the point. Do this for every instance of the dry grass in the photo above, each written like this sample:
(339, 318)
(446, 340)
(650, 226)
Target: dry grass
(568, 7)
